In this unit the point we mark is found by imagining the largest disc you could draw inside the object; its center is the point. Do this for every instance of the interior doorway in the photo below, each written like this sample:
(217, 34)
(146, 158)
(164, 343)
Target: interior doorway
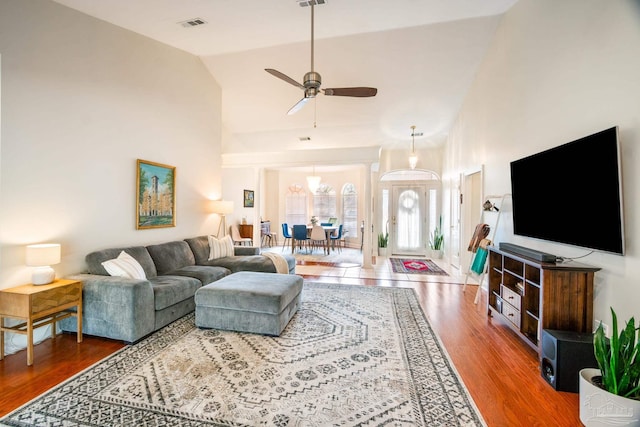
(471, 208)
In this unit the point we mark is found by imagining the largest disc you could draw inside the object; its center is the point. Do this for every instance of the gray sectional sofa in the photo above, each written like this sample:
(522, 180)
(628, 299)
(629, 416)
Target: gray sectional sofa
(129, 309)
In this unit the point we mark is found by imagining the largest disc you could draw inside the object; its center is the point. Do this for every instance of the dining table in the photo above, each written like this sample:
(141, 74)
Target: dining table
(328, 230)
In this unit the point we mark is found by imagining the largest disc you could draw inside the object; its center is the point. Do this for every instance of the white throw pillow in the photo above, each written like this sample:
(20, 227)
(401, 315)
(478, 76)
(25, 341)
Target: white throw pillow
(124, 266)
(220, 248)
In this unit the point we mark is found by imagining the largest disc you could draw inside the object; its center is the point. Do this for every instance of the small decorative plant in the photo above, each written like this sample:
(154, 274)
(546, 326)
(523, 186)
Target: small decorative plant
(436, 242)
(619, 360)
(383, 240)
(314, 220)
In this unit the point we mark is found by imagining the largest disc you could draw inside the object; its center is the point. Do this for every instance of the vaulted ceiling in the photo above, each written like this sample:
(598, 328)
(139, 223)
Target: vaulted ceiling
(422, 56)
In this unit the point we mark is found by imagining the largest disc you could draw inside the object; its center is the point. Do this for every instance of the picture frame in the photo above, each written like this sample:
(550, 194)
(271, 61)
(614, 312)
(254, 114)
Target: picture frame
(155, 195)
(248, 198)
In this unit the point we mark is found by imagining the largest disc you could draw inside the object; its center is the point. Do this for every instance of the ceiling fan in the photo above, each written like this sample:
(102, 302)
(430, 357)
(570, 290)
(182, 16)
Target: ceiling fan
(312, 81)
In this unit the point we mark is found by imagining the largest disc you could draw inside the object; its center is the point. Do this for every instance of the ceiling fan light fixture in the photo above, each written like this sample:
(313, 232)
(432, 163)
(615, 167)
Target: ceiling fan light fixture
(312, 81)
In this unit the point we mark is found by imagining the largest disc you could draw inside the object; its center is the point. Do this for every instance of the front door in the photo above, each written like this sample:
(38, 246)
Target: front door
(409, 220)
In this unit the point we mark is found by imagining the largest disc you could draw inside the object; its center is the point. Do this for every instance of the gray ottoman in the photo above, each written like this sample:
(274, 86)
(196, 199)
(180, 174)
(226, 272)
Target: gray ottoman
(260, 303)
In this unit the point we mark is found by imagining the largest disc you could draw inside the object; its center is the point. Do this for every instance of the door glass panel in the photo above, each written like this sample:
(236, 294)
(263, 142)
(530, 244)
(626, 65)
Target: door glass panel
(408, 217)
(409, 220)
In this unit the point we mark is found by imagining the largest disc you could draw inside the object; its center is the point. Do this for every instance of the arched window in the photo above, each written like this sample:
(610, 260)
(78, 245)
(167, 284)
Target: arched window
(350, 210)
(295, 205)
(324, 203)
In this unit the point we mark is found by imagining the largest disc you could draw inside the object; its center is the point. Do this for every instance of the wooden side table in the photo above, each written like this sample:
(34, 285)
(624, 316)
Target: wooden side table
(39, 306)
(246, 230)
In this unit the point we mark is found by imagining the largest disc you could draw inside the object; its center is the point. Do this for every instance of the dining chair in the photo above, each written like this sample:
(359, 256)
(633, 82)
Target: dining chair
(337, 238)
(300, 237)
(286, 234)
(237, 239)
(326, 224)
(319, 237)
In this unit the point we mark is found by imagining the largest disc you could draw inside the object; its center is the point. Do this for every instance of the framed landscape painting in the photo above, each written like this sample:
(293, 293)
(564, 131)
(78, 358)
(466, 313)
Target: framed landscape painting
(248, 198)
(155, 195)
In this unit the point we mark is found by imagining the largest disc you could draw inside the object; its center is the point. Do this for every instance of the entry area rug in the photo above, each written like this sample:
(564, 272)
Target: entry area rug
(416, 266)
(351, 356)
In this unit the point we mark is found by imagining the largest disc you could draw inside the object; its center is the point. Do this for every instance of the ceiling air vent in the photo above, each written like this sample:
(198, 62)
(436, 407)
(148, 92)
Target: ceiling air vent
(192, 22)
(304, 138)
(305, 3)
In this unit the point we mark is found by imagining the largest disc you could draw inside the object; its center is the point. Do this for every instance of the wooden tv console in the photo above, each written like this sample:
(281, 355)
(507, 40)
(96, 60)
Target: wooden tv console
(531, 296)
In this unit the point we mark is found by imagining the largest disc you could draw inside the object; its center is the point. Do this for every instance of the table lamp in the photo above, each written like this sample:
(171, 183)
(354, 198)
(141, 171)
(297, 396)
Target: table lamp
(42, 257)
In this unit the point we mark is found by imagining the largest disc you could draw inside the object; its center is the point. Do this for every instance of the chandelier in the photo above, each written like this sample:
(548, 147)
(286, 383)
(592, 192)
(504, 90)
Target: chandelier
(313, 181)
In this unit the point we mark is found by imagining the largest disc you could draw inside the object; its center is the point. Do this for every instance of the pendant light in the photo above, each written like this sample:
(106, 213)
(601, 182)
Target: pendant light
(313, 181)
(413, 159)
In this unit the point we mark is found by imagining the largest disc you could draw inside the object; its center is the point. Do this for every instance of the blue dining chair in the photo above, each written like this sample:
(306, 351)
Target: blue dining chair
(286, 234)
(300, 237)
(337, 238)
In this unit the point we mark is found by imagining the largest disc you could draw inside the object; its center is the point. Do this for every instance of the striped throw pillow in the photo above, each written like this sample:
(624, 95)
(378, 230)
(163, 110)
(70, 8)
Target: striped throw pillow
(124, 266)
(220, 248)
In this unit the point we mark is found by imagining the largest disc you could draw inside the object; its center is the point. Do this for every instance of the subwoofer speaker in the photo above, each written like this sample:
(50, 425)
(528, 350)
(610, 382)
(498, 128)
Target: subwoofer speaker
(564, 353)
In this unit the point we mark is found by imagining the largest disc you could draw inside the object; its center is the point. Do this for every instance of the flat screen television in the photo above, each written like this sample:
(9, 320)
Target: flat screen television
(572, 194)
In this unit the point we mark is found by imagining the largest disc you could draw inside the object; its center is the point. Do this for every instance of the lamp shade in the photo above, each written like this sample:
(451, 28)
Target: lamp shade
(221, 207)
(43, 254)
(413, 160)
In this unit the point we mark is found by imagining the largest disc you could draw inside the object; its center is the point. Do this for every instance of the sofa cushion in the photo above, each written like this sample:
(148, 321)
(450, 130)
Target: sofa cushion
(200, 248)
(258, 263)
(204, 273)
(220, 248)
(171, 256)
(246, 258)
(95, 259)
(124, 266)
(170, 290)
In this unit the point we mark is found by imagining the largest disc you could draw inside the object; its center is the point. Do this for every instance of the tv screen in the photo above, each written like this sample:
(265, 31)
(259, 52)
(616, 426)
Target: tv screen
(571, 194)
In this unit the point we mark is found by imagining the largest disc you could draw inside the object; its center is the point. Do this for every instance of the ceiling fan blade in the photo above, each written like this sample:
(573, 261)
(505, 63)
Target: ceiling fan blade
(284, 77)
(360, 92)
(298, 106)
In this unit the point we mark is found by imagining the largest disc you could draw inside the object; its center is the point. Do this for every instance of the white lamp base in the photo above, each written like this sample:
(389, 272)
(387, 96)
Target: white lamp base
(43, 275)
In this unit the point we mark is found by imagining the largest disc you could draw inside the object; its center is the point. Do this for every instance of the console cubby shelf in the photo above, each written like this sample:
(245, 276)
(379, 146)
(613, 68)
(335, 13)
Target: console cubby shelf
(529, 295)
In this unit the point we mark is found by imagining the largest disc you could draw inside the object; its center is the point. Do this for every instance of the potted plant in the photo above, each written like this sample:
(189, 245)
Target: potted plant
(436, 241)
(611, 395)
(383, 241)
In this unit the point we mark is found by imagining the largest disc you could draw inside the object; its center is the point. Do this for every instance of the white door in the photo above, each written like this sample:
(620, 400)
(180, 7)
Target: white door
(471, 213)
(456, 200)
(409, 216)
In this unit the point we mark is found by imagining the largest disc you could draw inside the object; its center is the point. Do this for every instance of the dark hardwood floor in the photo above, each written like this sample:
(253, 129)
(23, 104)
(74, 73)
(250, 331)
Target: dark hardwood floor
(499, 370)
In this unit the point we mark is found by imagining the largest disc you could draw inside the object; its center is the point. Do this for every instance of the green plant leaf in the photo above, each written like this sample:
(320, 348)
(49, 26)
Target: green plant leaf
(619, 360)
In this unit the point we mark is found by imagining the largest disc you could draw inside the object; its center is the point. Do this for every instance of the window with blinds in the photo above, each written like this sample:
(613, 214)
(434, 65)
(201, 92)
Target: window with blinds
(350, 210)
(324, 203)
(295, 205)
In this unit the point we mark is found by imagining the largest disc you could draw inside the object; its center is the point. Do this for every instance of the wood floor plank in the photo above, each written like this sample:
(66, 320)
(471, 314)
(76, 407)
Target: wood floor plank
(499, 370)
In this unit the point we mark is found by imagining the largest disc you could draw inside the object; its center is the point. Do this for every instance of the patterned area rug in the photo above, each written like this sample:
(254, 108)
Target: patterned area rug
(416, 266)
(347, 257)
(351, 356)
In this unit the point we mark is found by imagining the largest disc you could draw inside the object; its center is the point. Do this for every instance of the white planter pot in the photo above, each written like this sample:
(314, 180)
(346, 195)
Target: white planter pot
(437, 253)
(599, 408)
(382, 252)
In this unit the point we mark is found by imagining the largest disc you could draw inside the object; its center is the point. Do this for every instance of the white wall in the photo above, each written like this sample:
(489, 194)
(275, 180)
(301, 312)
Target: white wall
(557, 71)
(81, 101)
